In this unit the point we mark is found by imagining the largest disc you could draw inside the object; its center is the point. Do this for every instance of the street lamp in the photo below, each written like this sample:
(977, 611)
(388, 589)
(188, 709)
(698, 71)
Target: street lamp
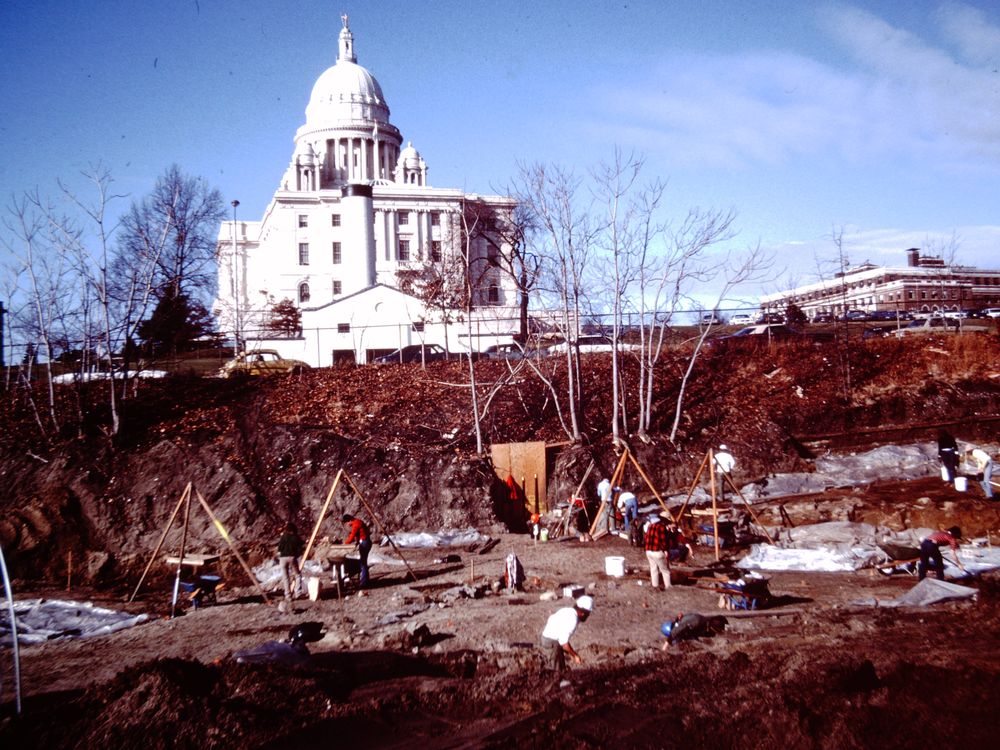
(236, 287)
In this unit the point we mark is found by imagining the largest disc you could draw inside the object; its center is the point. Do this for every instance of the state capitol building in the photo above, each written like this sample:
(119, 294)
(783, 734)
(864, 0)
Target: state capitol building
(352, 214)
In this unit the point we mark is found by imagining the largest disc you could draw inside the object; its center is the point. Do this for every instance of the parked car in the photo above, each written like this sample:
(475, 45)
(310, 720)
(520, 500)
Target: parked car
(711, 319)
(261, 362)
(885, 315)
(592, 345)
(413, 353)
(956, 314)
(742, 319)
(854, 315)
(752, 336)
(823, 317)
(507, 351)
(770, 319)
(992, 312)
(928, 325)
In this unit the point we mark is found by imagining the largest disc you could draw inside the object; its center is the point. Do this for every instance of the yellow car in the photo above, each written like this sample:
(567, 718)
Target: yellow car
(261, 362)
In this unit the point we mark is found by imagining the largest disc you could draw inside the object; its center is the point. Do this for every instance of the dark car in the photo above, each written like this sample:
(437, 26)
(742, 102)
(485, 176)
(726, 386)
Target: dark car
(413, 353)
(823, 317)
(885, 315)
(857, 315)
(752, 336)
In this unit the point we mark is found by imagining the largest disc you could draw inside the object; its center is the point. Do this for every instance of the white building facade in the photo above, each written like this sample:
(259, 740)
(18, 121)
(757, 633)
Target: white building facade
(354, 210)
(923, 285)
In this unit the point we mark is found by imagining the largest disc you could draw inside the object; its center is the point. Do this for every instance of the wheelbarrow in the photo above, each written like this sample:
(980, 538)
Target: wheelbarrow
(202, 590)
(898, 558)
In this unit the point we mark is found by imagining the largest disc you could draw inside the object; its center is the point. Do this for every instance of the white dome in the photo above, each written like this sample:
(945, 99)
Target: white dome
(409, 156)
(346, 93)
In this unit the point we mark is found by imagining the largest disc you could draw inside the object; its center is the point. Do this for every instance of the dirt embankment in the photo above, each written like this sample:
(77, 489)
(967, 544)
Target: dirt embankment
(264, 451)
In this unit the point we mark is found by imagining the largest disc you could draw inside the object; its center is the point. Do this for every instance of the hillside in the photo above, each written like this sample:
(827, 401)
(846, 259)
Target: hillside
(262, 451)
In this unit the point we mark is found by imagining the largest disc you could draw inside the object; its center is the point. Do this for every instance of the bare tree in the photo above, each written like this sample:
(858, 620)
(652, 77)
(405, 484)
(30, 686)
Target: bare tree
(564, 242)
(180, 217)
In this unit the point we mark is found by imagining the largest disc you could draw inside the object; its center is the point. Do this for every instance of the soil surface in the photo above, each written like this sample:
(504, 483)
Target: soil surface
(416, 660)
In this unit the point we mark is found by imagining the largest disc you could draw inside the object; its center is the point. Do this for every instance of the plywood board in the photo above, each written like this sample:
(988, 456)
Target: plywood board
(526, 463)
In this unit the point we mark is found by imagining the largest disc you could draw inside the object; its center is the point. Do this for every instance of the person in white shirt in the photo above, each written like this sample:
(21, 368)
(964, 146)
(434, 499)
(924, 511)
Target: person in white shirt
(984, 468)
(560, 628)
(604, 494)
(724, 465)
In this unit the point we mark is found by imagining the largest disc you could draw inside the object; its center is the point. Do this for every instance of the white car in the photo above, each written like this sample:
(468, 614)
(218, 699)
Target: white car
(742, 319)
(592, 345)
(992, 312)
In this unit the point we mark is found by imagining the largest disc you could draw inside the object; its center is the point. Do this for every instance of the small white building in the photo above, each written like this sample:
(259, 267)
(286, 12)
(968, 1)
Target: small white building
(352, 213)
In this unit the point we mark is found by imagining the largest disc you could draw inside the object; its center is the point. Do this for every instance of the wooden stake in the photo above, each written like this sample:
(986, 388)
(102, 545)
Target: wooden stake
(715, 509)
(69, 570)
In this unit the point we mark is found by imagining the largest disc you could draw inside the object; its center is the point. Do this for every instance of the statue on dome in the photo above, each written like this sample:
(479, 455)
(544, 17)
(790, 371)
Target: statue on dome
(344, 19)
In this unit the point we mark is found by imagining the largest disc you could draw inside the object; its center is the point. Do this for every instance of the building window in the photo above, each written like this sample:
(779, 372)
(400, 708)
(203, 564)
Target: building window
(436, 251)
(343, 327)
(493, 294)
(404, 218)
(304, 292)
(338, 287)
(435, 218)
(404, 250)
(335, 220)
(303, 220)
(336, 253)
(303, 253)
(418, 327)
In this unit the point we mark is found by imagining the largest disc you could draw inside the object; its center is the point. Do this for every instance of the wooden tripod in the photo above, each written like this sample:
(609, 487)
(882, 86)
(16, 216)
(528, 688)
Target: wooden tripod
(709, 460)
(616, 478)
(185, 500)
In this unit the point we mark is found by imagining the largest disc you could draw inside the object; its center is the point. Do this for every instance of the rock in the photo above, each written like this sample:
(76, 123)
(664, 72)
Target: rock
(548, 596)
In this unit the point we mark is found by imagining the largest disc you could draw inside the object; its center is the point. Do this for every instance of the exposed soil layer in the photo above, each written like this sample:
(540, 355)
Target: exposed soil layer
(813, 671)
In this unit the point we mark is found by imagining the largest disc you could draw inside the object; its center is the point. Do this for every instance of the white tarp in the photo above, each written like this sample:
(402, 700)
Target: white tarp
(45, 619)
(899, 462)
(823, 560)
(926, 592)
(443, 538)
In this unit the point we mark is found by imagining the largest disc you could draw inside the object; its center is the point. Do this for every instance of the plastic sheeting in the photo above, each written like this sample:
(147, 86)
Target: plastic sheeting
(443, 538)
(926, 592)
(840, 470)
(823, 560)
(41, 620)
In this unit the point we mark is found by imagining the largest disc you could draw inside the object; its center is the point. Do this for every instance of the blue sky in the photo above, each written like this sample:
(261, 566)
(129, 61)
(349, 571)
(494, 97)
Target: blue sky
(882, 118)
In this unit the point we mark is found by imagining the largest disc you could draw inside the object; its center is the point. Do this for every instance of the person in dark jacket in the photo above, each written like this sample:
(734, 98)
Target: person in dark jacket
(359, 533)
(948, 453)
(289, 549)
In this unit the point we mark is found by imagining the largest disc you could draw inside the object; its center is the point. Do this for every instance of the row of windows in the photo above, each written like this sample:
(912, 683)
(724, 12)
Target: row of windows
(404, 219)
(337, 252)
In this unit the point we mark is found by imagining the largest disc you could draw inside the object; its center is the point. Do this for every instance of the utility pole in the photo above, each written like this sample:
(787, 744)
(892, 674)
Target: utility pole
(237, 287)
(2, 360)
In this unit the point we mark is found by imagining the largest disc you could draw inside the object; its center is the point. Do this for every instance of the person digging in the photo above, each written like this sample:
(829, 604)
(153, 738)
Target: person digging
(930, 551)
(560, 628)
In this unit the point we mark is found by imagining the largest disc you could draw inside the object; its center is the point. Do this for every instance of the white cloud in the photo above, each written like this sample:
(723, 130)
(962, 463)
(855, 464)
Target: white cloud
(899, 97)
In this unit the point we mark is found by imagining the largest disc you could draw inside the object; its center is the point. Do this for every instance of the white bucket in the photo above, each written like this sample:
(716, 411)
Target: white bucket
(614, 566)
(944, 473)
(961, 484)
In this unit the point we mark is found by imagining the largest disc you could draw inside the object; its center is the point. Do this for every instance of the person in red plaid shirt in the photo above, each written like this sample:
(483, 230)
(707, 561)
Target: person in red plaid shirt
(657, 544)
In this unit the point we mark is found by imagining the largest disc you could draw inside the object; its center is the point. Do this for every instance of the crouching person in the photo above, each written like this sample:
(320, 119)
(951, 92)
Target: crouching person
(559, 630)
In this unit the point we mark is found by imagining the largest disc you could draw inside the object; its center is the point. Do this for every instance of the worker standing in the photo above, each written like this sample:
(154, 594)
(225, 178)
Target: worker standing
(930, 551)
(559, 630)
(604, 495)
(984, 470)
(724, 465)
(948, 453)
(657, 545)
(289, 549)
(359, 533)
